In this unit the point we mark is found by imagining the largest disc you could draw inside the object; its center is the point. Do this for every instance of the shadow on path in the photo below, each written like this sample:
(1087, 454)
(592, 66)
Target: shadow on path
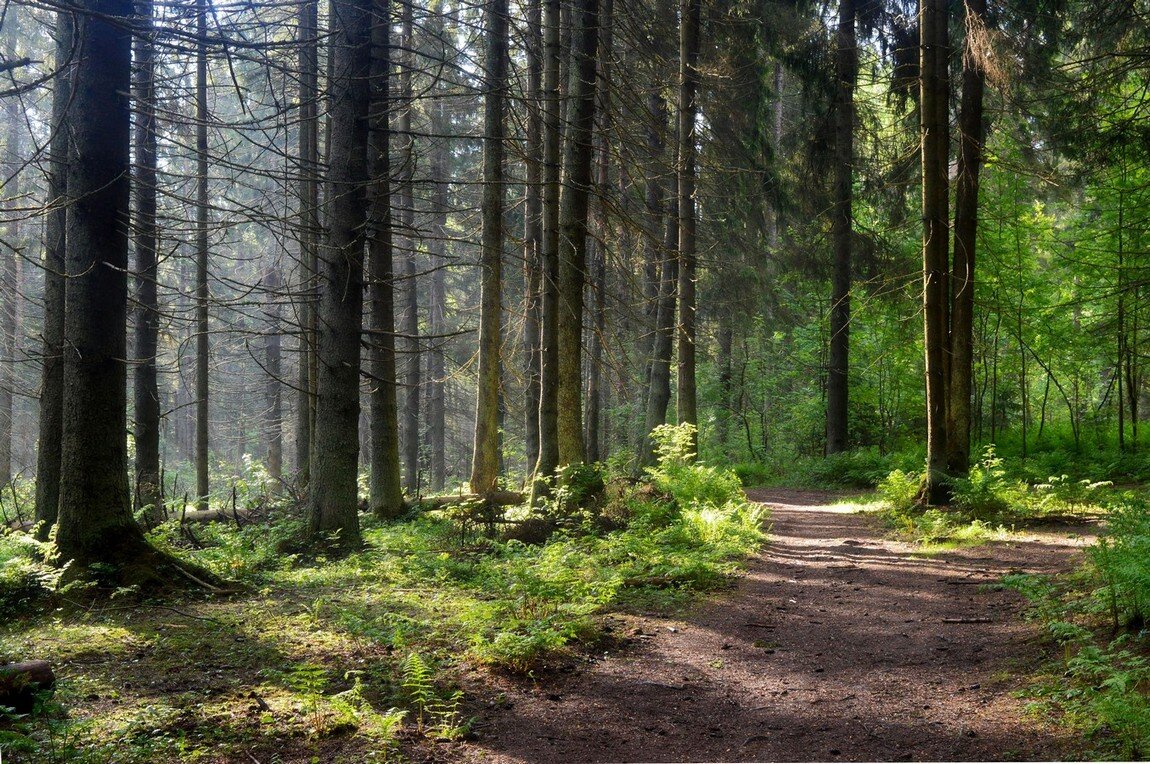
(837, 645)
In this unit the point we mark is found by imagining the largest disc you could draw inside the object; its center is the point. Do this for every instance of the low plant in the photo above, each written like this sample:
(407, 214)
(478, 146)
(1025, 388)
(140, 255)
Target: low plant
(1099, 685)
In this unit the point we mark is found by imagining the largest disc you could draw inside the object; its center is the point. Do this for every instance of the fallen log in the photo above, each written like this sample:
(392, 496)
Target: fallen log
(498, 498)
(20, 683)
(200, 516)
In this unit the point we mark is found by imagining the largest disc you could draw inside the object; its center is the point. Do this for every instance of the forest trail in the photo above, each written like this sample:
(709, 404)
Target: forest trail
(838, 644)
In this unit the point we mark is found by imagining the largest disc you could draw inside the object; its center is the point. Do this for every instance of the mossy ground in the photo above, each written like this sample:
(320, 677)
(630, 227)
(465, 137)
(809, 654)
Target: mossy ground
(314, 660)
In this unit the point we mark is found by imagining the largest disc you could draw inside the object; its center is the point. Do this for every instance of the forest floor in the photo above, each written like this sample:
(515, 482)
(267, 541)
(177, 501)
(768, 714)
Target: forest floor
(838, 644)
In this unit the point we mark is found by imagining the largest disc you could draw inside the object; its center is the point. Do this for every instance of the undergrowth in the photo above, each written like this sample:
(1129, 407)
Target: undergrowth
(986, 504)
(370, 647)
(1100, 683)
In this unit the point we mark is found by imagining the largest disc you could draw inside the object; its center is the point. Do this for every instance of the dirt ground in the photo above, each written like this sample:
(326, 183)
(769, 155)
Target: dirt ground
(837, 645)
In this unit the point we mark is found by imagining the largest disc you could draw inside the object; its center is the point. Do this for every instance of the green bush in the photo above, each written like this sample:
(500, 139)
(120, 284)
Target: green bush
(25, 577)
(987, 493)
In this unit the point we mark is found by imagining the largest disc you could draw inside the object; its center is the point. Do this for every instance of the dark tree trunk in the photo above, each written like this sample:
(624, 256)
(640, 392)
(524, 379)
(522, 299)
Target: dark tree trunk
(485, 447)
(52, 373)
(725, 379)
(308, 222)
(533, 232)
(846, 73)
(970, 141)
(436, 367)
(273, 388)
(659, 393)
(386, 489)
(95, 521)
(549, 333)
(335, 456)
(149, 492)
(411, 347)
(689, 32)
(573, 213)
(203, 347)
(935, 247)
(9, 285)
(594, 436)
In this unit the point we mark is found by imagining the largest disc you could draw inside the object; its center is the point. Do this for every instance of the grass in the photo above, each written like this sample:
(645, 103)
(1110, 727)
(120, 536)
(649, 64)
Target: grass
(372, 657)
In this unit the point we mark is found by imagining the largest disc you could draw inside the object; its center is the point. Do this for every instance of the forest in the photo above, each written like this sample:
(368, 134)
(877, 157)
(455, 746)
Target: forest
(574, 380)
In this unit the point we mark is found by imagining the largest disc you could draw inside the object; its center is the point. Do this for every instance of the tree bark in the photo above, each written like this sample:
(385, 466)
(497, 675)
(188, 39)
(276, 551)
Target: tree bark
(935, 247)
(308, 221)
(52, 369)
(549, 333)
(436, 366)
(573, 213)
(598, 250)
(533, 232)
(9, 284)
(689, 32)
(335, 456)
(385, 489)
(846, 73)
(273, 388)
(203, 346)
(410, 314)
(970, 142)
(485, 446)
(95, 522)
(149, 492)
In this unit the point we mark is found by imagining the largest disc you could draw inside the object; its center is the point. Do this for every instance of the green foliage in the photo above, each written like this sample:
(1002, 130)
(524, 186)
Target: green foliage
(26, 577)
(690, 483)
(1122, 560)
(986, 493)
(1102, 686)
(899, 492)
(246, 553)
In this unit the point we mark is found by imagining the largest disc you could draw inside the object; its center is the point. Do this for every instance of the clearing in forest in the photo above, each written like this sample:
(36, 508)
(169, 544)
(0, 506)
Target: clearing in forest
(837, 644)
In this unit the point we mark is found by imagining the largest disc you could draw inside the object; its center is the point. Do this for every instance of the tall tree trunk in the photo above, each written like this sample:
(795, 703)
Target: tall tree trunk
(533, 232)
(549, 333)
(335, 457)
(52, 369)
(573, 210)
(95, 522)
(308, 232)
(411, 348)
(485, 447)
(689, 32)
(659, 392)
(149, 492)
(436, 367)
(203, 347)
(662, 216)
(9, 287)
(726, 408)
(598, 256)
(386, 488)
(273, 388)
(971, 133)
(935, 246)
(846, 73)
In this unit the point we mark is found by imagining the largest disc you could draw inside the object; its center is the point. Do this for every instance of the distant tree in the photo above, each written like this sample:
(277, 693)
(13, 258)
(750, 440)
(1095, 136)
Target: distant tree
(149, 492)
(55, 234)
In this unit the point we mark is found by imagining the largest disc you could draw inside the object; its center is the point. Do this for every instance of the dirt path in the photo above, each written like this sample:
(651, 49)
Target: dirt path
(838, 645)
